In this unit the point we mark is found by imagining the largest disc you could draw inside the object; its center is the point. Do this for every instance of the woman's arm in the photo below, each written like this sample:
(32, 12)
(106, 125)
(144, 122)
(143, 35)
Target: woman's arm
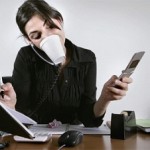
(110, 93)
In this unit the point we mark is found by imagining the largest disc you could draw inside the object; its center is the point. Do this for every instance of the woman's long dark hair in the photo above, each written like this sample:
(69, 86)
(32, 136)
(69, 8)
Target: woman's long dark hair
(36, 7)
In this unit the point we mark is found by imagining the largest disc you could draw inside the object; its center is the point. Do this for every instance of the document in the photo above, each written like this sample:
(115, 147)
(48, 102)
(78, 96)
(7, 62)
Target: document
(143, 124)
(12, 121)
(103, 129)
(18, 115)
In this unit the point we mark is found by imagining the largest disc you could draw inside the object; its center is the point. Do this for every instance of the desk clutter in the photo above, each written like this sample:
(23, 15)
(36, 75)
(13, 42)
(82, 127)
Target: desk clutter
(143, 124)
(123, 125)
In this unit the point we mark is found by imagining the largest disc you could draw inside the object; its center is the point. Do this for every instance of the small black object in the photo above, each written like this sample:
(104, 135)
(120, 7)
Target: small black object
(4, 145)
(123, 126)
(2, 94)
(70, 138)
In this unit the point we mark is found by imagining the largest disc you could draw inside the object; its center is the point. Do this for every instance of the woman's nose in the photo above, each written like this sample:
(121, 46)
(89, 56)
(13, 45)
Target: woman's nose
(44, 36)
(46, 33)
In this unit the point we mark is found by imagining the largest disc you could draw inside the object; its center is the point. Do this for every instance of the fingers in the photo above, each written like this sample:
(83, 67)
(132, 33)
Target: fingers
(8, 89)
(8, 92)
(117, 93)
(9, 97)
(114, 89)
(7, 86)
(6, 98)
(111, 81)
(127, 80)
(121, 85)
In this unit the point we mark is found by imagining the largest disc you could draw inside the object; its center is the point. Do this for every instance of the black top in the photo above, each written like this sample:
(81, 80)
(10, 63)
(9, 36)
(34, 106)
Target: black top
(70, 100)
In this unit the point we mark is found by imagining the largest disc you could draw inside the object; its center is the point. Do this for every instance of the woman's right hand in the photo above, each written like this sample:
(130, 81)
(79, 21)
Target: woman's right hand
(9, 98)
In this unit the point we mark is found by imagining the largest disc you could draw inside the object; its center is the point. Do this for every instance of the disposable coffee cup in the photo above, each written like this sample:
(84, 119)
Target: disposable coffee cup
(52, 46)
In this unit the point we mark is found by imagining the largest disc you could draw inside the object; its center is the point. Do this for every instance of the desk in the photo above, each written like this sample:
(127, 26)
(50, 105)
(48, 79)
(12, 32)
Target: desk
(139, 141)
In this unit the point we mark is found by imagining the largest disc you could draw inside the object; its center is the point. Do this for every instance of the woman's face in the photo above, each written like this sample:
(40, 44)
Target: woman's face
(37, 30)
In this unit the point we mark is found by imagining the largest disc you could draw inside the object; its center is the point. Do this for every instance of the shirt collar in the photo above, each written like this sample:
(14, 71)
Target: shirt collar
(79, 55)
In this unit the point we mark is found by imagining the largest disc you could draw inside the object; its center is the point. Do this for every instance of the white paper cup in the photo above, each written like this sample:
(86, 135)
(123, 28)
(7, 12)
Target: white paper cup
(52, 46)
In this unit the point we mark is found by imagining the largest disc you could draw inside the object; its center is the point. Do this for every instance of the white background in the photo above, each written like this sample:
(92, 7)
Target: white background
(112, 29)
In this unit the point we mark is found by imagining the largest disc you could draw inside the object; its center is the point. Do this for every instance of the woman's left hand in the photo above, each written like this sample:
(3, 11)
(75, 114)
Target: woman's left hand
(114, 89)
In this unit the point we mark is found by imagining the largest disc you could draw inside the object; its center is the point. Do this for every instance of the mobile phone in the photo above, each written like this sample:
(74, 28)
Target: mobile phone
(132, 64)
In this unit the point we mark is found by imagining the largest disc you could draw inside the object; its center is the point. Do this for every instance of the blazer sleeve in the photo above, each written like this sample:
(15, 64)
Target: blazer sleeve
(21, 80)
(86, 113)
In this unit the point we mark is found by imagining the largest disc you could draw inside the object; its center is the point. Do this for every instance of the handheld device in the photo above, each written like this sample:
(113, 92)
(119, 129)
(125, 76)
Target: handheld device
(132, 64)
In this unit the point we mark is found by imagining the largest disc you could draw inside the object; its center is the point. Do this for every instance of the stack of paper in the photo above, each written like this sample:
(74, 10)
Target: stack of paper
(143, 124)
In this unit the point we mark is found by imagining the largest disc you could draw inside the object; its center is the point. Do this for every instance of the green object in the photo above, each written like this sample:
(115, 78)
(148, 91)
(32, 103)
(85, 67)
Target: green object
(143, 123)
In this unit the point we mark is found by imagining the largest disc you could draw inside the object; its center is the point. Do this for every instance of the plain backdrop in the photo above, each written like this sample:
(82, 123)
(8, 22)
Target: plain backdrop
(112, 29)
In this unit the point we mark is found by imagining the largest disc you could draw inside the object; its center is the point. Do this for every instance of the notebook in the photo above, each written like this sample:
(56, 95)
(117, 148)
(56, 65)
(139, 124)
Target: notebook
(20, 126)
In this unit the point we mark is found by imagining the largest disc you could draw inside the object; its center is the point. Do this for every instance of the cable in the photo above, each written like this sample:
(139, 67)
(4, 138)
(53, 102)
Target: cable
(51, 63)
(61, 147)
(53, 84)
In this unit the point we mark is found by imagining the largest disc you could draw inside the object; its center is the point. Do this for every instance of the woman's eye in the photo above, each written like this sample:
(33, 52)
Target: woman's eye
(36, 36)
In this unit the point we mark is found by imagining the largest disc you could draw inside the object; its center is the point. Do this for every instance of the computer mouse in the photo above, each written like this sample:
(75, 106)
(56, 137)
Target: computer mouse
(70, 138)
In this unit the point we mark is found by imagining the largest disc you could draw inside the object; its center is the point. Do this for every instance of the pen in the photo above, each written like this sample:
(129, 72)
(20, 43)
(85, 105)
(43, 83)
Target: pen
(2, 91)
(2, 94)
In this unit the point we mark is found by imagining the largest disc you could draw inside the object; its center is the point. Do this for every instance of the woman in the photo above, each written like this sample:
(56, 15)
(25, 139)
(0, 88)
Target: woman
(65, 91)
